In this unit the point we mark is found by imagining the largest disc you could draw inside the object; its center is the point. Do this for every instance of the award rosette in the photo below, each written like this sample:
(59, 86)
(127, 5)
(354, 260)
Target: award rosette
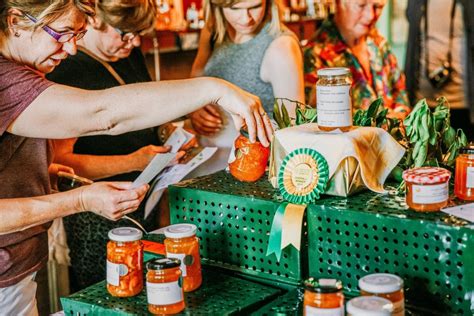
(303, 176)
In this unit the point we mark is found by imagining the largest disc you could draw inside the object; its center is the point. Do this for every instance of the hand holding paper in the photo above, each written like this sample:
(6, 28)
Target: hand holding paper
(158, 163)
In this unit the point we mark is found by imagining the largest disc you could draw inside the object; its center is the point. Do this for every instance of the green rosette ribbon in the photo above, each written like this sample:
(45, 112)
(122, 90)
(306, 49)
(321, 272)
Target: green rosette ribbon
(303, 176)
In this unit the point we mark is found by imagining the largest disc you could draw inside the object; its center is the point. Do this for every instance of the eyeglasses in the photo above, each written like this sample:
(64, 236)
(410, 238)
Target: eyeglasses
(60, 37)
(126, 37)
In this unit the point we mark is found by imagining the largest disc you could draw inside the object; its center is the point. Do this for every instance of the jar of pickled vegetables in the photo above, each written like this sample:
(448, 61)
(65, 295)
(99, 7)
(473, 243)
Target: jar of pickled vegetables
(323, 297)
(464, 180)
(164, 289)
(250, 159)
(333, 99)
(124, 262)
(181, 243)
(427, 188)
(385, 285)
(369, 305)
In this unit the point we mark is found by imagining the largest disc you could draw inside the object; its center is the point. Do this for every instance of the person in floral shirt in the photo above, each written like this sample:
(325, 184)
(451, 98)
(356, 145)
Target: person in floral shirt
(350, 39)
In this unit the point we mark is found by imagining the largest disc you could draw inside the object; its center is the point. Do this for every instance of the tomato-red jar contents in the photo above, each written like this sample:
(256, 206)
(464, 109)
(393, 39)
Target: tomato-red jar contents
(385, 285)
(427, 188)
(124, 262)
(181, 243)
(250, 159)
(323, 297)
(464, 180)
(164, 286)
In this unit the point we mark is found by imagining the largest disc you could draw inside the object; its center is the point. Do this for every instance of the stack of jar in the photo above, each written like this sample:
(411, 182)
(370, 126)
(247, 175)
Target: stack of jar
(167, 278)
(382, 295)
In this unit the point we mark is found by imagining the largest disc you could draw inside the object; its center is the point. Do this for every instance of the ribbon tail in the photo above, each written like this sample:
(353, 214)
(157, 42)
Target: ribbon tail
(291, 227)
(274, 242)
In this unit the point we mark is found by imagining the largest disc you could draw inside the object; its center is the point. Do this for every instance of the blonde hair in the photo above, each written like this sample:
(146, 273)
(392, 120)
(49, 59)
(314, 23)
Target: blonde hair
(44, 11)
(217, 24)
(127, 15)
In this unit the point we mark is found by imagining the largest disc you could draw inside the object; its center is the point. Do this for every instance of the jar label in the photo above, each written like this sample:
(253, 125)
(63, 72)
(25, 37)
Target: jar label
(315, 311)
(164, 293)
(430, 194)
(470, 177)
(113, 273)
(179, 256)
(334, 106)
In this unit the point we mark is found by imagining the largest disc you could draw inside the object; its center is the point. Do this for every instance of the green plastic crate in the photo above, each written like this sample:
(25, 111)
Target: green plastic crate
(372, 233)
(234, 221)
(220, 294)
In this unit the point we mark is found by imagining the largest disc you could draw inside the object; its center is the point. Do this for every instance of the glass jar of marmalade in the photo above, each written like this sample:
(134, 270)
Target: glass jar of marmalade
(464, 179)
(124, 262)
(250, 159)
(427, 188)
(181, 243)
(323, 297)
(164, 286)
(385, 285)
(369, 305)
(333, 99)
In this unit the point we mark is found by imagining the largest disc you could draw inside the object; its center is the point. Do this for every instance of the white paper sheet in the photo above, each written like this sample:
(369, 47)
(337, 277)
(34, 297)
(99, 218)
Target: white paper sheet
(465, 211)
(178, 138)
(173, 175)
(155, 166)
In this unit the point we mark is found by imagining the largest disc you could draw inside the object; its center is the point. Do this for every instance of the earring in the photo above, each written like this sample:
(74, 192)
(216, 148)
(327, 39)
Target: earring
(17, 34)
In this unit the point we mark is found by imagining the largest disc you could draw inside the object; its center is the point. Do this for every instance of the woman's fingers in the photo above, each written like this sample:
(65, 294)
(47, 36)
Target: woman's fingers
(160, 149)
(212, 109)
(205, 122)
(110, 199)
(261, 130)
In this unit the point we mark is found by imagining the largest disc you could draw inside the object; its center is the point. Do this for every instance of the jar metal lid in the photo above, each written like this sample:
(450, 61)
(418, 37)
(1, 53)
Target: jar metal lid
(163, 263)
(378, 283)
(426, 175)
(323, 285)
(335, 71)
(468, 150)
(369, 306)
(180, 231)
(125, 234)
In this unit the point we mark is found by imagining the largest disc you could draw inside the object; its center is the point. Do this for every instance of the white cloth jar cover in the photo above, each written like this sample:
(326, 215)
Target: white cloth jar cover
(358, 159)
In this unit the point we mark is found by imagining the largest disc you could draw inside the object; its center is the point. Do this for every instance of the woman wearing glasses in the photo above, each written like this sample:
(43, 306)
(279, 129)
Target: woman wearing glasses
(33, 109)
(107, 57)
(350, 39)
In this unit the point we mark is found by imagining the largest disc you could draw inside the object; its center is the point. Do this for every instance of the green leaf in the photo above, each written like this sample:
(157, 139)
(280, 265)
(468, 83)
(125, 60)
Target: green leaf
(374, 107)
(449, 137)
(462, 138)
(397, 173)
(357, 119)
(421, 155)
(311, 114)
(286, 117)
(381, 117)
(277, 115)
